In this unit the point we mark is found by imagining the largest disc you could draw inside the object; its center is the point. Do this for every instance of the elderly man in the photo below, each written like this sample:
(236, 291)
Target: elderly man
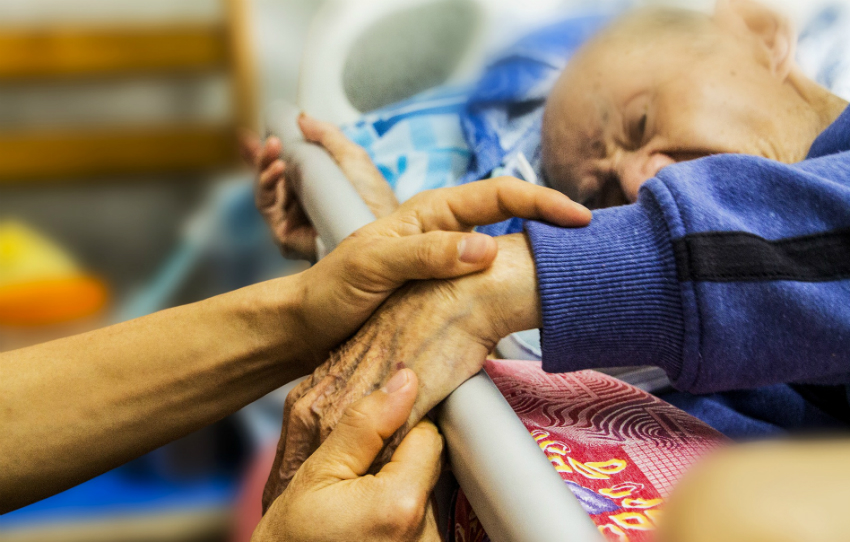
(726, 263)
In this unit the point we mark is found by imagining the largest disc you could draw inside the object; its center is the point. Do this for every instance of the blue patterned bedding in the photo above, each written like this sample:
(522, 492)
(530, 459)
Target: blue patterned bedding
(450, 136)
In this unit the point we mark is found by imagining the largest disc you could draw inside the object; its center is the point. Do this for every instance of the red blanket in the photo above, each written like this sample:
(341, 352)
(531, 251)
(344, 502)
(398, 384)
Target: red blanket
(619, 449)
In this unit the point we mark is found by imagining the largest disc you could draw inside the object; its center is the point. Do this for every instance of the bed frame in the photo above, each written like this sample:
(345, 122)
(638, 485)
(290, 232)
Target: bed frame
(492, 454)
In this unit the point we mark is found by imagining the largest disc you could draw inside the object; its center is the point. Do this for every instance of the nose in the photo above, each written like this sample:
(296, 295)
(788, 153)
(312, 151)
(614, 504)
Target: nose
(635, 168)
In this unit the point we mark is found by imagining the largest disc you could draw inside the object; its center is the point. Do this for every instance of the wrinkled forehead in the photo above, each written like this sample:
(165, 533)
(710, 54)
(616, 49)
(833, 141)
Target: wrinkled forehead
(569, 135)
(578, 108)
(633, 48)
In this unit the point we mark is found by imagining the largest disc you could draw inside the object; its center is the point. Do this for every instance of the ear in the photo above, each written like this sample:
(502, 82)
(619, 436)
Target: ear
(774, 34)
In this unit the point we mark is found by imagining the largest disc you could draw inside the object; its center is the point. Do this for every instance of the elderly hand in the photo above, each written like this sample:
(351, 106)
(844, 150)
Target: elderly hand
(278, 203)
(443, 330)
(332, 498)
(427, 238)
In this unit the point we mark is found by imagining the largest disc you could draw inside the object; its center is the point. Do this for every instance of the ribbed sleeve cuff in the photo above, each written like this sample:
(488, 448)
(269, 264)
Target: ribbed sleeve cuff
(609, 293)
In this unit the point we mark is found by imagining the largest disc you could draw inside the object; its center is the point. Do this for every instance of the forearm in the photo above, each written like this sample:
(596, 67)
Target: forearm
(725, 285)
(74, 408)
(609, 293)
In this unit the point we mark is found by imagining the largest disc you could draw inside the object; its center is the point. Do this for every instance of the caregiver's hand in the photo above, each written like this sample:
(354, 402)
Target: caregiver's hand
(442, 329)
(426, 238)
(74, 408)
(332, 498)
(278, 203)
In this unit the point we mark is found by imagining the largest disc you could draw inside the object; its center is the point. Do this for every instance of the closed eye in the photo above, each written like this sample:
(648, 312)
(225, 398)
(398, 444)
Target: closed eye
(608, 194)
(639, 131)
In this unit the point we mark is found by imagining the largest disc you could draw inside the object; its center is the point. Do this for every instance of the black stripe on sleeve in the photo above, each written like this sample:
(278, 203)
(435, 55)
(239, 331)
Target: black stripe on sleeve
(740, 256)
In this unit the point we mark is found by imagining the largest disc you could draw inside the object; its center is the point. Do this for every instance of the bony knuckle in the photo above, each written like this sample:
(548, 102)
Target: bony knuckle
(408, 512)
(413, 201)
(302, 411)
(431, 194)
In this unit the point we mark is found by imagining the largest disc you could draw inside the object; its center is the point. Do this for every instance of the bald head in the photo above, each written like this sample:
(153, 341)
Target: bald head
(664, 85)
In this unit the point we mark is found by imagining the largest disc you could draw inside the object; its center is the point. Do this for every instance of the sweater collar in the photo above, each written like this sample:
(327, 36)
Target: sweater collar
(835, 139)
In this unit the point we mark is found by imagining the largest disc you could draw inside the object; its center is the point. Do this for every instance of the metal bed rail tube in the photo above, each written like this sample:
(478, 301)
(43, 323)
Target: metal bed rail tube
(493, 456)
(330, 201)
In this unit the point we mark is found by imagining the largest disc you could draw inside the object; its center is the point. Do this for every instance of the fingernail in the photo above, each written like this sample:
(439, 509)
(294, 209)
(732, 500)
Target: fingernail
(473, 248)
(398, 381)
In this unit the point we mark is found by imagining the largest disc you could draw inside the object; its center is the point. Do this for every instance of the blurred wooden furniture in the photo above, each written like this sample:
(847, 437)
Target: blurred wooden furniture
(83, 54)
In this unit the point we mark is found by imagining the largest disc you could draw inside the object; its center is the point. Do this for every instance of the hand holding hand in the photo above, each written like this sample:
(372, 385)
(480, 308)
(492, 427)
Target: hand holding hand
(426, 238)
(443, 330)
(332, 499)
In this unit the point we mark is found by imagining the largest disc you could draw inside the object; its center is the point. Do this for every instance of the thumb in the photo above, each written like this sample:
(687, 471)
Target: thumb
(355, 443)
(417, 462)
(432, 255)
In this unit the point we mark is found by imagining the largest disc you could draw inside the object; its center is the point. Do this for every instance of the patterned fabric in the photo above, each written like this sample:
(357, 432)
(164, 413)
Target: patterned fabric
(824, 48)
(619, 449)
(416, 144)
(452, 136)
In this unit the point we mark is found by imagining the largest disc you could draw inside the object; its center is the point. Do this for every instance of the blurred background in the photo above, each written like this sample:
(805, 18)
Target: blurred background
(121, 191)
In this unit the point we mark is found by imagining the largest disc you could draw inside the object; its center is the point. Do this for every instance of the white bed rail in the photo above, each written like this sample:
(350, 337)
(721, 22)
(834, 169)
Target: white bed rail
(513, 488)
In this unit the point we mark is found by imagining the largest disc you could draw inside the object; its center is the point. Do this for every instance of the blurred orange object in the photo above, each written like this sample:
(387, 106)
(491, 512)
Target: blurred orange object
(51, 301)
(40, 283)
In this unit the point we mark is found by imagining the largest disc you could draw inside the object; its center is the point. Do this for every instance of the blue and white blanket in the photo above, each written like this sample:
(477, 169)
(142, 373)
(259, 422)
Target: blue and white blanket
(452, 136)
(823, 51)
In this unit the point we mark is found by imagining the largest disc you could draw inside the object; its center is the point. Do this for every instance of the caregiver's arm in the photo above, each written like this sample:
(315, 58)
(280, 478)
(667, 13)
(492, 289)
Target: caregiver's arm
(729, 272)
(76, 407)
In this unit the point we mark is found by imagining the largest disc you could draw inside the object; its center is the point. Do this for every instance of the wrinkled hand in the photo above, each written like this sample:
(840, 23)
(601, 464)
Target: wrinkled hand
(278, 203)
(443, 330)
(331, 499)
(426, 238)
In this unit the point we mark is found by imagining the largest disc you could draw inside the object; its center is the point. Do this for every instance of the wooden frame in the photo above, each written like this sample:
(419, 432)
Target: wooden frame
(45, 55)
(49, 54)
(65, 155)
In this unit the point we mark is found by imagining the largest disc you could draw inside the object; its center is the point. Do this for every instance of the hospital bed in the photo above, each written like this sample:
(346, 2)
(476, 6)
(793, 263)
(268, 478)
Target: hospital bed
(347, 70)
(491, 453)
(350, 69)
(482, 432)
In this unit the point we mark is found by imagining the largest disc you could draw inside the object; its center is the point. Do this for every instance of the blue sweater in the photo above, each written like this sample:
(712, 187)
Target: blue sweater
(730, 272)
